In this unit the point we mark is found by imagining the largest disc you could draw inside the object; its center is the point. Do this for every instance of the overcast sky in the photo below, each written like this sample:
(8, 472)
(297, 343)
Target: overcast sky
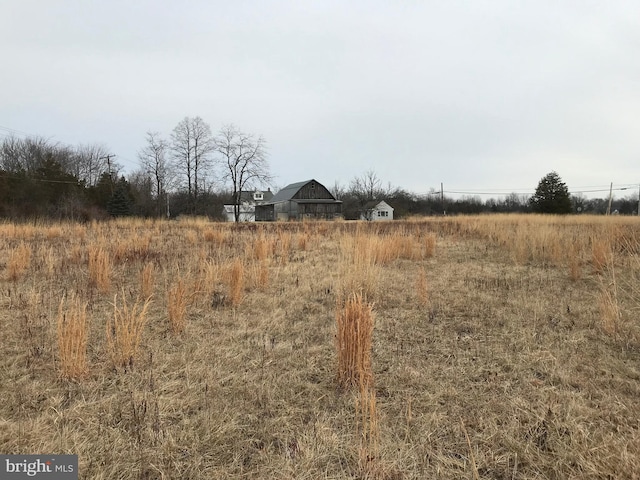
(479, 95)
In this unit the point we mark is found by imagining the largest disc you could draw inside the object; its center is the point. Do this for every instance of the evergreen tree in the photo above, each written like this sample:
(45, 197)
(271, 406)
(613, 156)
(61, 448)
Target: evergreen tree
(552, 196)
(119, 205)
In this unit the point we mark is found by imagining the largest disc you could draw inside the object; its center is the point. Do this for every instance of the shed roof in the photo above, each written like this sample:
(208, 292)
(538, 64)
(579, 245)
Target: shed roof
(373, 204)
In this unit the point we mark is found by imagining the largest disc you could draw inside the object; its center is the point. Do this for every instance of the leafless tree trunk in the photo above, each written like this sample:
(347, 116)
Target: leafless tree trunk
(153, 162)
(90, 162)
(245, 162)
(192, 144)
(367, 187)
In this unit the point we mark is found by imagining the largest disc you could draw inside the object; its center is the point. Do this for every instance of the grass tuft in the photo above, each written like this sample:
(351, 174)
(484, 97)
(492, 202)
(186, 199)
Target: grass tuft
(353, 341)
(72, 333)
(19, 261)
(99, 269)
(177, 307)
(124, 332)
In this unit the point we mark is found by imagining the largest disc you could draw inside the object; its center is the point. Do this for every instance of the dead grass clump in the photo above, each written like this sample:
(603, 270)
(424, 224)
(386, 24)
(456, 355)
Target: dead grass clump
(600, 255)
(263, 275)
(260, 248)
(19, 260)
(72, 335)
(429, 243)
(359, 271)
(124, 332)
(147, 280)
(99, 269)
(353, 341)
(177, 300)
(217, 237)
(609, 310)
(383, 250)
(368, 430)
(422, 288)
(574, 262)
(303, 239)
(236, 283)
(282, 246)
(406, 247)
(191, 236)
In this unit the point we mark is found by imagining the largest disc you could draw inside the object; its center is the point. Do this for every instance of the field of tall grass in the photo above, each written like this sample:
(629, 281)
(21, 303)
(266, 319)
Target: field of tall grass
(486, 347)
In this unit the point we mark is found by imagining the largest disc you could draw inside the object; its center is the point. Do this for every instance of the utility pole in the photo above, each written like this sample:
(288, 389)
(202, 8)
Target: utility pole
(610, 199)
(108, 158)
(639, 200)
(442, 198)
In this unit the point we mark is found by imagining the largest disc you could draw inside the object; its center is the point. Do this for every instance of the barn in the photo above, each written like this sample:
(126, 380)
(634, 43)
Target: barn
(302, 200)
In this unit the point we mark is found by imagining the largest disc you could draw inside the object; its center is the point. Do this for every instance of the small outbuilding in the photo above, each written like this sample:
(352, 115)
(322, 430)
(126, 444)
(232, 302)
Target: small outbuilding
(248, 201)
(302, 200)
(377, 211)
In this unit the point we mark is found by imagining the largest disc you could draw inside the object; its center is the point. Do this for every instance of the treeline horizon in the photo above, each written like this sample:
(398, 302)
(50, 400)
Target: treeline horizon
(39, 179)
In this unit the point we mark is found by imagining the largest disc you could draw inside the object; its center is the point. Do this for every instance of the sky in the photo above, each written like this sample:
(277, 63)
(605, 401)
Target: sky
(481, 96)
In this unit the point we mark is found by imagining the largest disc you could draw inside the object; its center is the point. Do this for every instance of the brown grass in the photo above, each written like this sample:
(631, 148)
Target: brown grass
(99, 269)
(512, 370)
(354, 336)
(147, 280)
(177, 299)
(236, 282)
(422, 288)
(19, 260)
(124, 332)
(72, 334)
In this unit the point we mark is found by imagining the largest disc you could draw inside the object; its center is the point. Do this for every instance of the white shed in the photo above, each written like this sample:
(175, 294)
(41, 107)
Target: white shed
(377, 211)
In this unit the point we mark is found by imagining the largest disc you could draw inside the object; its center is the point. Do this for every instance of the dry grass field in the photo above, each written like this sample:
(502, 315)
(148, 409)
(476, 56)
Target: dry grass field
(490, 347)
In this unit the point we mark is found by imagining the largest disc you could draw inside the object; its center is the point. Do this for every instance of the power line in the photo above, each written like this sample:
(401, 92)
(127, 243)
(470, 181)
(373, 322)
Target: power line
(14, 131)
(44, 180)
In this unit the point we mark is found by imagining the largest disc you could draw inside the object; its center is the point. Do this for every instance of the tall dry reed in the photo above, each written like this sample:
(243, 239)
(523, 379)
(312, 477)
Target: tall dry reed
(354, 338)
(236, 282)
(124, 331)
(72, 333)
(99, 269)
(177, 299)
(147, 280)
(19, 261)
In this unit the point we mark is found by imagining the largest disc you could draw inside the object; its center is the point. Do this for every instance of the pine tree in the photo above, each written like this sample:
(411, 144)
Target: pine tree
(119, 205)
(552, 196)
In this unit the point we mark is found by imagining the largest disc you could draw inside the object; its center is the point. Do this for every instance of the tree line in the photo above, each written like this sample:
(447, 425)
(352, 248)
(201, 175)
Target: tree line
(193, 171)
(551, 196)
(190, 171)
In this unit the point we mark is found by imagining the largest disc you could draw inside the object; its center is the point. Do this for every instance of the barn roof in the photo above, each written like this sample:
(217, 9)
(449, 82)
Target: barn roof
(289, 191)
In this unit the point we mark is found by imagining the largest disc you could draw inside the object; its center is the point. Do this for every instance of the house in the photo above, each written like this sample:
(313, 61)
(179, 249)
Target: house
(302, 200)
(377, 211)
(248, 202)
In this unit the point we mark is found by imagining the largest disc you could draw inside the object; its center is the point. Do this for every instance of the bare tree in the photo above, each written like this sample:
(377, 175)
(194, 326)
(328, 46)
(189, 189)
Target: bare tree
(244, 159)
(153, 162)
(90, 161)
(367, 187)
(192, 145)
(338, 191)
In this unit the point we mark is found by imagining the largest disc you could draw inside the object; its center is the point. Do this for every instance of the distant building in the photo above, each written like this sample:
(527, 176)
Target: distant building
(297, 201)
(248, 202)
(377, 211)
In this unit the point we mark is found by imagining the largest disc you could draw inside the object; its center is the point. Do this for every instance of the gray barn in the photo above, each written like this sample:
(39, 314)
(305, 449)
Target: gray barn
(302, 200)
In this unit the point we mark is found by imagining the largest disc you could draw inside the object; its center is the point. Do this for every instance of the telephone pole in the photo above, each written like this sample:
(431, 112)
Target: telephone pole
(108, 158)
(610, 199)
(442, 198)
